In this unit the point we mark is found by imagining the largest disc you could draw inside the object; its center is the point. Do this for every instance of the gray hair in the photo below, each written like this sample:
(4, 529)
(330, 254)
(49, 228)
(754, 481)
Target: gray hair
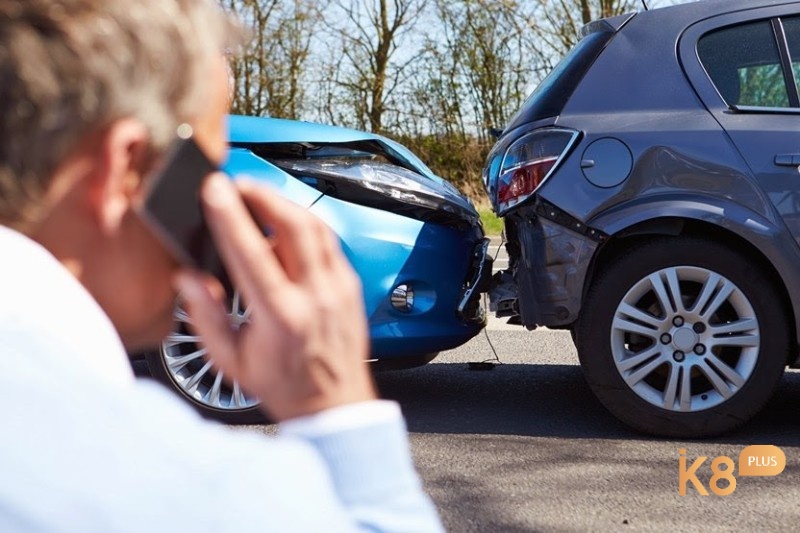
(70, 68)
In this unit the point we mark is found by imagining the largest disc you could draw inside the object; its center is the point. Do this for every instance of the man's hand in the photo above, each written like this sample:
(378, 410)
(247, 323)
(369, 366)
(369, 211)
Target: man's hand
(305, 346)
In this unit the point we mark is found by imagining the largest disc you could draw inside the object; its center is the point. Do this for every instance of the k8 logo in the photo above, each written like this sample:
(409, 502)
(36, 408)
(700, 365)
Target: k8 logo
(760, 460)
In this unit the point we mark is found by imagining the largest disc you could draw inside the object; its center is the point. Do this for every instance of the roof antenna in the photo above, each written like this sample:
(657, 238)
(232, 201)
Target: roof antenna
(644, 3)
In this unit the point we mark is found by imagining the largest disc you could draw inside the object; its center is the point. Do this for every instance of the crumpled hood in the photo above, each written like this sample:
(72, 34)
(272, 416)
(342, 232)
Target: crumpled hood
(243, 129)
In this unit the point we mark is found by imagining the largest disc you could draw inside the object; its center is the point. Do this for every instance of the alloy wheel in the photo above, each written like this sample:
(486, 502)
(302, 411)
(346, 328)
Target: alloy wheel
(685, 338)
(185, 360)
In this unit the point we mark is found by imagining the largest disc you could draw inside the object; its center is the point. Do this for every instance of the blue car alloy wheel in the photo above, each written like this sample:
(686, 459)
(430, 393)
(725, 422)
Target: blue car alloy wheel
(415, 241)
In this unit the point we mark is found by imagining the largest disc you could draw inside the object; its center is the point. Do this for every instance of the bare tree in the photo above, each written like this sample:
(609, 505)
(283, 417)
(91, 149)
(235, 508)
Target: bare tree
(295, 34)
(478, 68)
(437, 96)
(556, 24)
(370, 33)
(248, 68)
(269, 75)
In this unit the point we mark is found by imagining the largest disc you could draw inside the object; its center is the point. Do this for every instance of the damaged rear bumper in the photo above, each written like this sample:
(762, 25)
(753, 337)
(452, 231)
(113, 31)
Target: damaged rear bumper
(549, 253)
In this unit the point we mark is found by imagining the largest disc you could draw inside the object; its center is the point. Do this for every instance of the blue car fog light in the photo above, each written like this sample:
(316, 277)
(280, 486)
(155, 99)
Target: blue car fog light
(403, 297)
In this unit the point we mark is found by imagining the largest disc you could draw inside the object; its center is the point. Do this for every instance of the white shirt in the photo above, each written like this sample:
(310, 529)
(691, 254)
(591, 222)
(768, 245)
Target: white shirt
(84, 446)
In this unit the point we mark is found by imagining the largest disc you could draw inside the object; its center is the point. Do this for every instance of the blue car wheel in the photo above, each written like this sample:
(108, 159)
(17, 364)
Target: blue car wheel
(181, 363)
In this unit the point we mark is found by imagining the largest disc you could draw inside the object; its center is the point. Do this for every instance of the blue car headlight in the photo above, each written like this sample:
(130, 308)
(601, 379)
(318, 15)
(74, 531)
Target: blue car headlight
(376, 183)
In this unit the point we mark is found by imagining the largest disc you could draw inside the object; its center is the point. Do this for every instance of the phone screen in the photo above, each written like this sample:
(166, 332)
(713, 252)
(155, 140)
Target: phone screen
(172, 205)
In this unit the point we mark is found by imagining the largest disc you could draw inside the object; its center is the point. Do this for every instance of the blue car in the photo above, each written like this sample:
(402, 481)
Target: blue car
(416, 242)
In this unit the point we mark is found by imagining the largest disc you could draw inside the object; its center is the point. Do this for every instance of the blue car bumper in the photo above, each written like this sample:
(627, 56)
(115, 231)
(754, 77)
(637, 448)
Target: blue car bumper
(440, 263)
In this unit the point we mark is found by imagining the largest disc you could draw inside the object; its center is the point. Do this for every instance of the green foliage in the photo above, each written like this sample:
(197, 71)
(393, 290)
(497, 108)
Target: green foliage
(459, 159)
(763, 85)
(492, 225)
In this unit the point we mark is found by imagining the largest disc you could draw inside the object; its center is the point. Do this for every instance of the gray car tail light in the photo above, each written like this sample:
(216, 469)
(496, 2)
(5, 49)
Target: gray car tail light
(529, 162)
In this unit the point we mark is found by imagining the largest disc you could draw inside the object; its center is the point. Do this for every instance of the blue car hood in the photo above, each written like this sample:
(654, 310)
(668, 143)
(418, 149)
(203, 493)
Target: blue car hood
(243, 129)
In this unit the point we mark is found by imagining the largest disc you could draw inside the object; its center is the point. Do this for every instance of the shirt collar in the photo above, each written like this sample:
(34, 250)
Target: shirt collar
(41, 297)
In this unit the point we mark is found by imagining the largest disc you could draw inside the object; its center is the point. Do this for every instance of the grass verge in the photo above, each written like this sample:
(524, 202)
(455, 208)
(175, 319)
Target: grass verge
(492, 225)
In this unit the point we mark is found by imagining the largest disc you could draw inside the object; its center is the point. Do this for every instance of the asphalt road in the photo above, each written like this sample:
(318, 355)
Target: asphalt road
(526, 447)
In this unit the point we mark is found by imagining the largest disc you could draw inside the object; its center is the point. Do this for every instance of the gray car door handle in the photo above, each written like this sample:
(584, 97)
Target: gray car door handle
(787, 160)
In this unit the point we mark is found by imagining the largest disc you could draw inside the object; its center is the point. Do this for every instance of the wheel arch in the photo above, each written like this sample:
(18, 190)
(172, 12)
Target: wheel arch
(695, 226)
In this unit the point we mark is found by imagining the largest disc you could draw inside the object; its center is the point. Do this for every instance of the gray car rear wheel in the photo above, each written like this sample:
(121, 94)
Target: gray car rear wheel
(683, 337)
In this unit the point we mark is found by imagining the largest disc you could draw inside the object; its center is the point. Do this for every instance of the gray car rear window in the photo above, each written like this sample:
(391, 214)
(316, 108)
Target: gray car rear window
(745, 65)
(552, 94)
(791, 26)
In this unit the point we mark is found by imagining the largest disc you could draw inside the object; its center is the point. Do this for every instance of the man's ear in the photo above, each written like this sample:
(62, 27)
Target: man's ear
(122, 155)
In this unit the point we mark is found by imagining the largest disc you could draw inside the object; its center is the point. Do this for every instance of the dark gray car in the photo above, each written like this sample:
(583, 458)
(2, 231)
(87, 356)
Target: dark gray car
(651, 196)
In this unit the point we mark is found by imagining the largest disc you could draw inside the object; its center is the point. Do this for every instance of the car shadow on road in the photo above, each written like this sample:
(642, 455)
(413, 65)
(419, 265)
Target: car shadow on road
(546, 401)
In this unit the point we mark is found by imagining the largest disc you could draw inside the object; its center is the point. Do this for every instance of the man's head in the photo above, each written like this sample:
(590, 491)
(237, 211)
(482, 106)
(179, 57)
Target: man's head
(91, 93)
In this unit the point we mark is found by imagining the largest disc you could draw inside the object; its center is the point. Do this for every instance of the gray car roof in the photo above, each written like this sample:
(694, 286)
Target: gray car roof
(707, 8)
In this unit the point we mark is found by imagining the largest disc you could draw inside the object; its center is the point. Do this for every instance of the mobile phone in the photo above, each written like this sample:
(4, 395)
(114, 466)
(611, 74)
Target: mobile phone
(172, 208)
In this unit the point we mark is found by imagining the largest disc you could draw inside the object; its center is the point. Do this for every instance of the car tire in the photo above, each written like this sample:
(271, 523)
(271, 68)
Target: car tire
(691, 368)
(181, 366)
